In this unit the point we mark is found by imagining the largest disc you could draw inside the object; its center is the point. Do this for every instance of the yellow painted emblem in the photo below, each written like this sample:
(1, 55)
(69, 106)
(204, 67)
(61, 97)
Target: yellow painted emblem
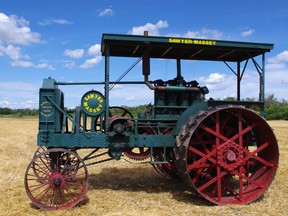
(46, 109)
(93, 103)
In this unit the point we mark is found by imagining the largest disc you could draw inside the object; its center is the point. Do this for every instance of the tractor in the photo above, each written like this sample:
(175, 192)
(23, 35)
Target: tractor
(222, 150)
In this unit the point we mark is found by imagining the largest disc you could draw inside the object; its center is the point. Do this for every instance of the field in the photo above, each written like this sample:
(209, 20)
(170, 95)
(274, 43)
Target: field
(121, 188)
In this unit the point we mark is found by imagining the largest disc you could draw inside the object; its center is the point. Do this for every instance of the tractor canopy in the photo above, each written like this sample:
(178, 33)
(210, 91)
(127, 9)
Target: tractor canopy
(181, 48)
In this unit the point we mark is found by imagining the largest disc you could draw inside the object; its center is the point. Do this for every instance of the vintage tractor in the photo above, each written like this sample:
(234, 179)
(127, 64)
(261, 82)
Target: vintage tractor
(223, 150)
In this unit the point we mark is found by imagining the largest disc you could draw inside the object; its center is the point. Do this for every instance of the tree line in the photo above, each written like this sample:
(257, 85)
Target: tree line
(274, 109)
(18, 112)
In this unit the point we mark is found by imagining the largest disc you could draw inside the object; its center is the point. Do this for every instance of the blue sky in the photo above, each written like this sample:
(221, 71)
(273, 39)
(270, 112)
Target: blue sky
(61, 39)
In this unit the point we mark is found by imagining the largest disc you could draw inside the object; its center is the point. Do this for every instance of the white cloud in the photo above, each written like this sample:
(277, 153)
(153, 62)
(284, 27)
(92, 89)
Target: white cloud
(106, 12)
(280, 58)
(25, 64)
(61, 21)
(4, 18)
(275, 66)
(213, 78)
(130, 98)
(70, 65)
(131, 95)
(11, 51)
(75, 54)
(204, 33)
(28, 64)
(277, 75)
(30, 103)
(220, 85)
(118, 86)
(276, 82)
(21, 95)
(247, 33)
(153, 29)
(173, 35)
(95, 50)
(89, 63)
(5, 103)
(44, 65)
(194, 34)
(14, 30)
(47, 22)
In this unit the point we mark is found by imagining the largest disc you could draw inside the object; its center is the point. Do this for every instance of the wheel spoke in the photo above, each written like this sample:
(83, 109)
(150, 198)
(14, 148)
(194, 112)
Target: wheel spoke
(224, 138)
(47, 167)
(253, 155)
(40, 171)
(240, 129)
(124, 113)
(219, 185)
(241, 184)
(38, 186)
(210, 182)
(249, 180)
(200, 161)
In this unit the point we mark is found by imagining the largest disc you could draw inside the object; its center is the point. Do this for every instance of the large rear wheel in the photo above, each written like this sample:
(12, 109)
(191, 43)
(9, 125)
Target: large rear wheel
(228, 154)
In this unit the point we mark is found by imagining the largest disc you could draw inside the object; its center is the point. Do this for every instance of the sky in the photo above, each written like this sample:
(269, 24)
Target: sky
(62, 40)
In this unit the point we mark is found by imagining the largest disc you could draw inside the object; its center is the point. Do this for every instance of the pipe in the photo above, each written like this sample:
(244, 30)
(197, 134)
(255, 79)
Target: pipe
(171, 88)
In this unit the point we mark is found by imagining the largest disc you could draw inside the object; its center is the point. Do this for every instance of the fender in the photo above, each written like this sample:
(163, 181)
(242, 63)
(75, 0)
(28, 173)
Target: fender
(191, 111)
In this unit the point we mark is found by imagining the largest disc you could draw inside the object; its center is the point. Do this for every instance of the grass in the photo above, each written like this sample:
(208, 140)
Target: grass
(121, 188)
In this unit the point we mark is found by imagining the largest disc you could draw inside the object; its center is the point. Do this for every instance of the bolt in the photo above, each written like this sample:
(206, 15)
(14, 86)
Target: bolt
(57, 182)
(231, 156)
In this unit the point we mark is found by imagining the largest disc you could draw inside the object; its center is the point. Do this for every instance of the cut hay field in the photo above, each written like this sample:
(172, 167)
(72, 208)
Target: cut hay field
(121, 188)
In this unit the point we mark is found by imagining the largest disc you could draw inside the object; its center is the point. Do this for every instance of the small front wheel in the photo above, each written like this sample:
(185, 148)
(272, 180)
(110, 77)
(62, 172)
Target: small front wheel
(56, 179)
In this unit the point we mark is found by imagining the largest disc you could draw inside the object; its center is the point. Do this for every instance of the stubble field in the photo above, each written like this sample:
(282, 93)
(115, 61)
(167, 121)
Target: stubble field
(121, 188)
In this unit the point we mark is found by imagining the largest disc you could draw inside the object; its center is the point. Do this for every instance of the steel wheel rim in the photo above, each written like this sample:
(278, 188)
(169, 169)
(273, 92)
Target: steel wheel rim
(230, 170)
(59, 183)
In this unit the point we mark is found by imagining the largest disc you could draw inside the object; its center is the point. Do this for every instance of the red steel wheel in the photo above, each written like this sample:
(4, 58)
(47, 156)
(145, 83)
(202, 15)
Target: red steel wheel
(38, 172)
(228, 154)
(139, 153)
(119, 112)
(169, 169)
(56, 179)
(39, 150)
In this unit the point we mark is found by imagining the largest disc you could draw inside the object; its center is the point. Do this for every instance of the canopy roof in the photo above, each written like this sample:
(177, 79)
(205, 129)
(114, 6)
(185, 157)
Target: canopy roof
(180, 48)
